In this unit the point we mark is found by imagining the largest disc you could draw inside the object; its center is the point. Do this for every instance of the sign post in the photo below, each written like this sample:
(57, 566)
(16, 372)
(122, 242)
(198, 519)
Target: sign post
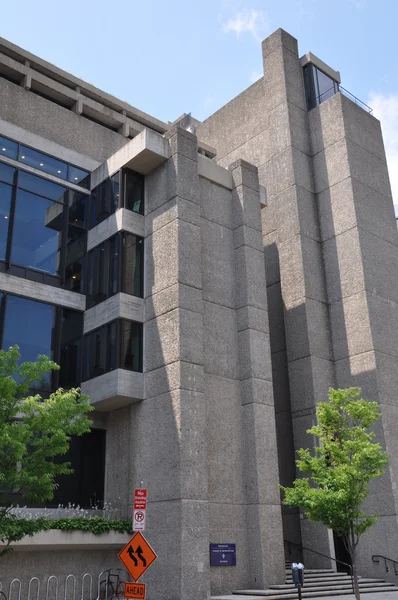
(139, 509)
(137, 555)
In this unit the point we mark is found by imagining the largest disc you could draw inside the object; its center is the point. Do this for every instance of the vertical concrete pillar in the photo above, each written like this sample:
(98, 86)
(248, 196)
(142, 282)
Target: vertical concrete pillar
(169, 443)
(360, 250)
(264, 522)
(292, 219)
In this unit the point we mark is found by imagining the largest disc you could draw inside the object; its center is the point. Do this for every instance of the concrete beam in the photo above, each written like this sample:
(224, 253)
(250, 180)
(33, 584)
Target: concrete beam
(115, 389)
(319, 64)
(144, 153)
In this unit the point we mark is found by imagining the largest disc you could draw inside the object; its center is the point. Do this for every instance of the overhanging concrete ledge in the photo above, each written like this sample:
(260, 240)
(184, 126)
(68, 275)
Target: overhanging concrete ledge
(55, 539)
(213, 172)
(114, 390)
(143, 153)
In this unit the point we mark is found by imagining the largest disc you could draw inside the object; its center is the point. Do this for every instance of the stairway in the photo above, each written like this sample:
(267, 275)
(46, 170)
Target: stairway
(317, 584)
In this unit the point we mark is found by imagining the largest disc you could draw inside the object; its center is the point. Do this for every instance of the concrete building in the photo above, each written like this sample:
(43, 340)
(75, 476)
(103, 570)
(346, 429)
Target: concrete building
(206, 283)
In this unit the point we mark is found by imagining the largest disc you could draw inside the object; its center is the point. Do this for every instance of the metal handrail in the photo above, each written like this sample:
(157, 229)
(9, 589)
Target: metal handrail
(335, 88)
(355, 99)
(376, 557)
(336, 560)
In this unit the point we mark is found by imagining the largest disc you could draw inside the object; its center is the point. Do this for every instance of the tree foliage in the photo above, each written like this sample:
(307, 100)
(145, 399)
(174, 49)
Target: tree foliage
(34, 433)
(337, 472)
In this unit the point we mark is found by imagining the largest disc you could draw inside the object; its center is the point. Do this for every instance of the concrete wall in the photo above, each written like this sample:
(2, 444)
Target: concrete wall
(275, 137)
(60, 563)
(203, 440)
(57, 124)
(360, 251)
(330, 242)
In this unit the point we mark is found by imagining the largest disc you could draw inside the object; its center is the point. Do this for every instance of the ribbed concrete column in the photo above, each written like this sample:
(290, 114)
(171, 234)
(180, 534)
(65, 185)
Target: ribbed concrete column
(169, 442)
(264, 522)
(360, 250)
(291, 218)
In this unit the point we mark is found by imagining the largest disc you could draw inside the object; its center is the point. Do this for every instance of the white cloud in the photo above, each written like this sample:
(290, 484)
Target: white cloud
(255, 75)
(385, 108)
(248, 21)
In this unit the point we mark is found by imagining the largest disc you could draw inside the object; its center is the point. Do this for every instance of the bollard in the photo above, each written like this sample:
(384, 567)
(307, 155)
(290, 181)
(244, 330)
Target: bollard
(298, 576)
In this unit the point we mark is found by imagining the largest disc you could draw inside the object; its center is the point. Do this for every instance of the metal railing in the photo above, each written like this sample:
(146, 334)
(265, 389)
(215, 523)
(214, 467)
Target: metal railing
(377, 557)
(336, 560)
(339, 88)
(69, 587)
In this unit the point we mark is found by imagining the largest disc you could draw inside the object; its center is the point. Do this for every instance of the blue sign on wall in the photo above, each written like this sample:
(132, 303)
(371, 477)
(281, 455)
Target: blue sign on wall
(222, 555)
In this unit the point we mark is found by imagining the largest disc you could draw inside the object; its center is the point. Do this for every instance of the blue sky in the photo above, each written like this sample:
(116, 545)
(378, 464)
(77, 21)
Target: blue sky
(171, 57)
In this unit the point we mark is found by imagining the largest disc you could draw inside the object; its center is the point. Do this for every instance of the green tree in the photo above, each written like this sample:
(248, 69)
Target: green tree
(336, 475)
(34, 433)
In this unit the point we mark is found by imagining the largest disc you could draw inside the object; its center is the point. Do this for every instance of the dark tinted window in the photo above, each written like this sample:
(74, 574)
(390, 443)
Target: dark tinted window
(76, 245)
(132, 346)
(41, 186)
(326, 87)
(42, 162)
(29, 324)
(8, 148)
(37, 233)
(78, 209)
(5, 205)
(111, 351)
(116, 266)
(318, 86)
(7, 173)
(133, 265)
(94, 357)
(85, 487)
(78, 176)
(115, 345)
(134, 191)
(70, 360)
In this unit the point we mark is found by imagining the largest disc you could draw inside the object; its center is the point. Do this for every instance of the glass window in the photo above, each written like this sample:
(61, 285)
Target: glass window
(7, 173)
(134, 191)
(85, 487)
(70, 358)
(78, 209)
(8, 148)
(78, 176)
(94, 363)
(37, 229)
(5, 204)
(111, 353)
(325, 86)
(103, 345)
(115, 192)
(43, 162)
(133, 265)
(41, 186)
(29, 324)
(113, 265)
(132, 346)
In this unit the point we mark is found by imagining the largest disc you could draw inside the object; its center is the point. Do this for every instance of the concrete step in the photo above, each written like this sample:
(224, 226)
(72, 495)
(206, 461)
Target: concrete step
(314, 571)
(281, 593)
(362, 582)
(328, 577)
(257, 594)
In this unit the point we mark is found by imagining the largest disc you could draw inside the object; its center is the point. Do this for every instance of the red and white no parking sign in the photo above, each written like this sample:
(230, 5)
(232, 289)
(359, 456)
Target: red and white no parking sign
(139, 511)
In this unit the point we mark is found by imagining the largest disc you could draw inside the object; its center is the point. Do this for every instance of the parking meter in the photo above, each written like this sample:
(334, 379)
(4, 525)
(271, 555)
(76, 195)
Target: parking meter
(298, 576)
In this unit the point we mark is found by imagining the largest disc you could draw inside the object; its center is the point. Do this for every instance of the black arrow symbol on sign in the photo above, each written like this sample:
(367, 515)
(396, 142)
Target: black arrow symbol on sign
(130, 552)
(139, 554)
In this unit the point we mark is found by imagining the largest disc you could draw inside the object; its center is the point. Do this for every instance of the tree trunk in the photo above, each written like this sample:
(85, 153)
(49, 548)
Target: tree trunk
(355, 576)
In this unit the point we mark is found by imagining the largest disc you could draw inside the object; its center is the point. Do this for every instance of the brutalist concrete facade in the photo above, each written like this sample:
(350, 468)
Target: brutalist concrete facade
(269, 276)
